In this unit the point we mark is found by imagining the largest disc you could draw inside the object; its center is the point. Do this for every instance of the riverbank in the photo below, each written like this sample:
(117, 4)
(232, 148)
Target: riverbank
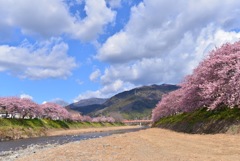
(146, 145)
(10, 150)
(12, 129)
(203, 121)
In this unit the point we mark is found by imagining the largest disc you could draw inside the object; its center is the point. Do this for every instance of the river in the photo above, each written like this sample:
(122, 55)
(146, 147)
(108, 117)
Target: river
(14, 145)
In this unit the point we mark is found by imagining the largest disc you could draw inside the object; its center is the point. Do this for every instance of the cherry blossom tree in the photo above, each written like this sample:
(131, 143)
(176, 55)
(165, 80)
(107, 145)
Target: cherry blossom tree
(22, 106)
(28, 108)
(96, 119)
(74, 116)
(110, 119)
(54, 111)
(87, 118)
(103, 119)
(214, 83)
(4, 104)
(11, 105)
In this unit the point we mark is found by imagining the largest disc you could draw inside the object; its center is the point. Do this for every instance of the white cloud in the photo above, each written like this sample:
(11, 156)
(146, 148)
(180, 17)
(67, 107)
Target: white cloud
(98, 15)
(95, 75)
(106, 92)
(114, 3)
(46, 18)
(89, 94)
(26, 96)
(172, 67)
(41, 60)
(53, 18)
(163, 42)
(169, 69)
(58, 101)
(148, 34)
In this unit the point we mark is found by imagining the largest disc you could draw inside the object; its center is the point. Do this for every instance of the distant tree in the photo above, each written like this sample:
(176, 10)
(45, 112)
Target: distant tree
(11, 105)
(96, 119)
(22, 106)
(103, 119)
(87, 118)
(29, 108)
(214, 83)
(54, 111)
(110, 119)
(5, 105)
(75, 116)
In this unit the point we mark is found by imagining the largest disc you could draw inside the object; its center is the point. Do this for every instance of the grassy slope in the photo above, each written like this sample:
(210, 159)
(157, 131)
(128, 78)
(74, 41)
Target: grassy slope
(23, 128)
(203, 121)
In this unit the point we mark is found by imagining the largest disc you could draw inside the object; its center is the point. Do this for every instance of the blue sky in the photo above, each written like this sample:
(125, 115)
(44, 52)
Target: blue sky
(74, 49)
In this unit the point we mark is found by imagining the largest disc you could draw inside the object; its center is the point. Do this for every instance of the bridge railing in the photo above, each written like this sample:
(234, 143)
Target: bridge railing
(137, 121)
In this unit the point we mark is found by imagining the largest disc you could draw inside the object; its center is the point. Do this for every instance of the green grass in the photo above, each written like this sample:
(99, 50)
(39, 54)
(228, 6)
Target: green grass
(50, 124)
(24, 128)
(202, 120)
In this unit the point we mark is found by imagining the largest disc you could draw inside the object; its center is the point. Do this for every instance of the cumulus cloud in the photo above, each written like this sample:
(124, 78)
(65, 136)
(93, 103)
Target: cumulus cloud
(114, 3)
(148, 34)
(58, 101)
(174, 66)
(41, 60)
(46, 18)
(53, 18)
(105, 92)
(95, 75)
(26, 96)
(165, 47)
(98, 15)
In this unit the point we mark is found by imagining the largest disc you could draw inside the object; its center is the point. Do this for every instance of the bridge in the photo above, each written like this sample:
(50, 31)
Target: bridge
(137, 122)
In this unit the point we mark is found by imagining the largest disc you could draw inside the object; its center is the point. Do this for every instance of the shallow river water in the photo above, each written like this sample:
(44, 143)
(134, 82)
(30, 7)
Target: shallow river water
(14, 145)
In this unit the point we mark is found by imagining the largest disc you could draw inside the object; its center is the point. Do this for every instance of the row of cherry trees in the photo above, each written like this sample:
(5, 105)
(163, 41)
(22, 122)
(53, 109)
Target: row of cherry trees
(26, 108)
(214, 83)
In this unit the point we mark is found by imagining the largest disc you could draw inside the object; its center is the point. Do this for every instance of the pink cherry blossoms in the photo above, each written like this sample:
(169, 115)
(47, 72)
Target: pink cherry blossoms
(215, 82)
(16, 107)
(21, 106)
(54, 111)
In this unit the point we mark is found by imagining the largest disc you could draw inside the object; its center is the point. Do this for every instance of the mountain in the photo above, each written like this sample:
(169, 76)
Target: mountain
(136, 103)
(86, 106)
(133, 104)
(90, 101)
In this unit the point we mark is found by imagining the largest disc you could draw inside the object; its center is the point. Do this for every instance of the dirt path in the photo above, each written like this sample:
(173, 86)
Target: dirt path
(146, 145)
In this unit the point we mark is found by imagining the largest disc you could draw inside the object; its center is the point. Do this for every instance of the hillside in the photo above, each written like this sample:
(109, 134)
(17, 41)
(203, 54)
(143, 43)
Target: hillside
(90, 101)
(136, 103)
(132, 104)
(87, 106)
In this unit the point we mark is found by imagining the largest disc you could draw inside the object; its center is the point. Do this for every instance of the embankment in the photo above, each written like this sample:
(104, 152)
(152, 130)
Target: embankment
(202, 121)
(26, 128)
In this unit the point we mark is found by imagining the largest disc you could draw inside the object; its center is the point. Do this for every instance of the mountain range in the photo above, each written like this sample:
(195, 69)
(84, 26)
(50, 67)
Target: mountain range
(136, 103)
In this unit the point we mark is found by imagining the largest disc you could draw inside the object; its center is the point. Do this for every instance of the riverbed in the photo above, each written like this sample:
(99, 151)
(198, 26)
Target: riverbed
(152, 144)
(13, 149)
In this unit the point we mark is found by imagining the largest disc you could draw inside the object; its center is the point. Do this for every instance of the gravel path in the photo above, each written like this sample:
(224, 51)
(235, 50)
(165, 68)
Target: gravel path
(145, 145)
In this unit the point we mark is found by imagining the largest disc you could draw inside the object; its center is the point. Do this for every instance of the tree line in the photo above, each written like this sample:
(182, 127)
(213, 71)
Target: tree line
(15, 107)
